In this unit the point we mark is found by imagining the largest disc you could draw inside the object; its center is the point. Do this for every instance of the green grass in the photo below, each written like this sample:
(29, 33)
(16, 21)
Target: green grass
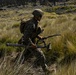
(67, 70)
(63, 47)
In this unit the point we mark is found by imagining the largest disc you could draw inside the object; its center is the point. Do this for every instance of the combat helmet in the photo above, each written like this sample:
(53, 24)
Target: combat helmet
(38, 12)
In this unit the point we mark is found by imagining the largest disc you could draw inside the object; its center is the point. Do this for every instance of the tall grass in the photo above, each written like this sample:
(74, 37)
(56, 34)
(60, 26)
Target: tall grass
(63, 47)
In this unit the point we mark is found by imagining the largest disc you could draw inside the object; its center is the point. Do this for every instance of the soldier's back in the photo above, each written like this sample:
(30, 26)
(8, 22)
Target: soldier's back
(25, 24)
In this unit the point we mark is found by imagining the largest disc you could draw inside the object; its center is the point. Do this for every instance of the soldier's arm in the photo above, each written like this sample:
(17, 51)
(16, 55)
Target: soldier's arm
(32, 44)
(27, 36)
(40, 30)
(39, 37)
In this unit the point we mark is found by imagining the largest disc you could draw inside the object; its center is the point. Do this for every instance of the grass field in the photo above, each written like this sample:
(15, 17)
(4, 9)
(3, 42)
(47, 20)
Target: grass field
(63, 47)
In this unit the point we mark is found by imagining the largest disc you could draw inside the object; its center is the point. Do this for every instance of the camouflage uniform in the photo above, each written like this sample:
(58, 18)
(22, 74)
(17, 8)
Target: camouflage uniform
(30, 29)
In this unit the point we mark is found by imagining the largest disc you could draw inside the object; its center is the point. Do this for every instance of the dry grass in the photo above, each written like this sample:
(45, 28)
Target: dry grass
(62, 46)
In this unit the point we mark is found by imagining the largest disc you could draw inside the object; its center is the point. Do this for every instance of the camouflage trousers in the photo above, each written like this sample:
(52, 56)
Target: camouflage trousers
(38, 53)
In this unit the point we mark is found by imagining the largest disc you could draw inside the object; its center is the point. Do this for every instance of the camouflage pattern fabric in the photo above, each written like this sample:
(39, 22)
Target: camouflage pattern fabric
(31, 31)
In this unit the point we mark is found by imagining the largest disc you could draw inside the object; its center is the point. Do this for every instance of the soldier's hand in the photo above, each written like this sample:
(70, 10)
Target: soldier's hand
(33, 46)
(40, 37)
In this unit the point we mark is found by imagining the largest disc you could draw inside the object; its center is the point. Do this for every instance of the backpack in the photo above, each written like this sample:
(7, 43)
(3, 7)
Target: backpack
(22, 26)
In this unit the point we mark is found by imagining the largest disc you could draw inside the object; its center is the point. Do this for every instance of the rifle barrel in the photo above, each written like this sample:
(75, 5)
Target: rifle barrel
(20, 45)
(52, 36)
(16, 45)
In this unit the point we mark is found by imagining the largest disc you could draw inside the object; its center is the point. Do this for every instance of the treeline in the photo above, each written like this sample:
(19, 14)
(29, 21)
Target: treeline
(25, 2)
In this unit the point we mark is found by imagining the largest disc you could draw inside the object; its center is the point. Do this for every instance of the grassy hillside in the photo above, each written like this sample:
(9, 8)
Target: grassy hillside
(63, 47)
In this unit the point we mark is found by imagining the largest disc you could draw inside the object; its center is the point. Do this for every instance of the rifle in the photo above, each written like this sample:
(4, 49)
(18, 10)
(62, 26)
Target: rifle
(51, 36)
(44, 38)
(20, 45)
(45, 46)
